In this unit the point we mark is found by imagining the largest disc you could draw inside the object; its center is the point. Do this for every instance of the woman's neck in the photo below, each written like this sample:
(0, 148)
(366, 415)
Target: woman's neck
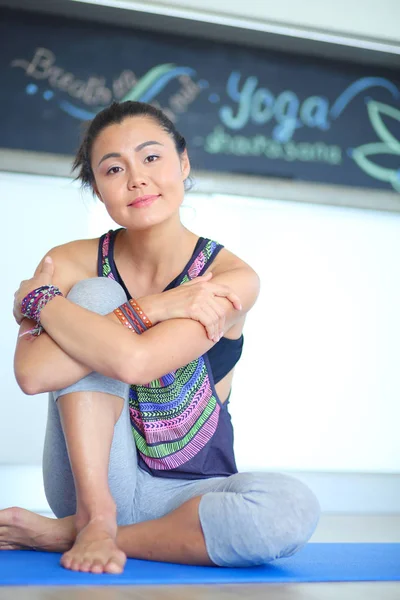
(156, 254)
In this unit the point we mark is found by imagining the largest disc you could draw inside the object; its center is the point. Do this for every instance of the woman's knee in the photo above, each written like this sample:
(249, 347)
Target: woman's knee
(262, 517)
(98, 294)
(288, 512)
(101, 295)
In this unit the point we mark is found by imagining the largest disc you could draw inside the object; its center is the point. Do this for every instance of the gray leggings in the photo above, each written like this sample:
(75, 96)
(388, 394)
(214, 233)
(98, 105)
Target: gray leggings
(247, 518)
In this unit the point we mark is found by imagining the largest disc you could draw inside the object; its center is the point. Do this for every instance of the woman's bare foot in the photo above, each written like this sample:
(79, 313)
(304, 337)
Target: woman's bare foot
(21, 529)
(95, 549)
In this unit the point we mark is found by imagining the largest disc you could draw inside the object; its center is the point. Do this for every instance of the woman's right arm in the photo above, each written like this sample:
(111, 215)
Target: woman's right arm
(40, 365)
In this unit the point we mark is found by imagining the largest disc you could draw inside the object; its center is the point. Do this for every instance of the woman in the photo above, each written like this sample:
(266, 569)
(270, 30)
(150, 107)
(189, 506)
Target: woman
(133, 468)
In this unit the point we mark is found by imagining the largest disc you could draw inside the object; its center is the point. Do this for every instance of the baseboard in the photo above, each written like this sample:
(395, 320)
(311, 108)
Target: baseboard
(337, 492)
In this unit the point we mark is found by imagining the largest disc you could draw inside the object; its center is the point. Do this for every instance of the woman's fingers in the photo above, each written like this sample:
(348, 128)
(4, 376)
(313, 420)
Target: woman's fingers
(223, 291)
(235, 300)
(200, 303)
(212, 327)
(208, 318)
(212, 317)
(220, 317)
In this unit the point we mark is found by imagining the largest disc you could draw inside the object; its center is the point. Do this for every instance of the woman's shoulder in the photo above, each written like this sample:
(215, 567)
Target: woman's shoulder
(74, 261)
(227, 261)
(82, 253)
(229, 269)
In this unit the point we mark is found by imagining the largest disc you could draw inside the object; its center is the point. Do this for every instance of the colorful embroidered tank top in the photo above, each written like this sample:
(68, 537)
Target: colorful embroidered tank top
(181, 428)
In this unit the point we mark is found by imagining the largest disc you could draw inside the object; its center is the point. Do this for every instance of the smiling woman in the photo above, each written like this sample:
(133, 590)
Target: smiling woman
(120, 177)
(142, 331)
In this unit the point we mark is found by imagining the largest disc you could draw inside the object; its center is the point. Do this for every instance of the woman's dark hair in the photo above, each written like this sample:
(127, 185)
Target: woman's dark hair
(116, 113)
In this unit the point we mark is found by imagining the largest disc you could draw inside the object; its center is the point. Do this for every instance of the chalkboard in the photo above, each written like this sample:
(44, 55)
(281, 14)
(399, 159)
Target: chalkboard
(241, 109)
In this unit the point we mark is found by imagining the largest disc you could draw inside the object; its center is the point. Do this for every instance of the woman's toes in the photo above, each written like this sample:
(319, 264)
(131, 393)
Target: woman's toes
(66, 561)
(113, 567)
(85, 566)
(76, 565)
(97, 567)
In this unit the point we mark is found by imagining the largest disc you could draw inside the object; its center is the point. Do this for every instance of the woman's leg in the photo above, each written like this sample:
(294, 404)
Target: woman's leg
(242, 520)
(255, 518)
(57, 474)
(88, 420)
(89, 462)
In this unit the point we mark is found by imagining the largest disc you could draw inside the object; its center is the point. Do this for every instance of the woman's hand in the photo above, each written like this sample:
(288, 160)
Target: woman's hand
(195, 300)
(42, 277)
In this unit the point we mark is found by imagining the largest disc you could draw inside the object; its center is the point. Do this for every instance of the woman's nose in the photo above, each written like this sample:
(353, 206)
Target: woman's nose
(137, 179)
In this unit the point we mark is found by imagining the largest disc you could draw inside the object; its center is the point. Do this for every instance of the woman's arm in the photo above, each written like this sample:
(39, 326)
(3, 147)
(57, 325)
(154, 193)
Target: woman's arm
(41, 365)
(39, 359)
(104, 346)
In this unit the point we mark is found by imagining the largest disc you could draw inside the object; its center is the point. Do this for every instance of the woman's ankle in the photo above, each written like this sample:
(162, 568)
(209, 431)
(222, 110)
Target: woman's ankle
(102, 514)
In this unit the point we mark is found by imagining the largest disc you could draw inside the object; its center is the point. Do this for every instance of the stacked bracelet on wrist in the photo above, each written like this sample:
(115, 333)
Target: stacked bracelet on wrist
(34, 302)
(132, 316)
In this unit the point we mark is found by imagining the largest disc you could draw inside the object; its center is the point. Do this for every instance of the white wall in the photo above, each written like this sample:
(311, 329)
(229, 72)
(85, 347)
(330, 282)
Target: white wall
(317, 388)
(38, 213)
(318, 385)
(359, 18)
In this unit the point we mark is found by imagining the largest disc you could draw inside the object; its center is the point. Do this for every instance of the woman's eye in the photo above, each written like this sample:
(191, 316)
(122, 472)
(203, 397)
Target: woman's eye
(112, 170)
(151, 158)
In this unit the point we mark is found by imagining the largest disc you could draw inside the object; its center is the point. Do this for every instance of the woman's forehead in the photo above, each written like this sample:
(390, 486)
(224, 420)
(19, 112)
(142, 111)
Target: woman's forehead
(134, 128)
(128, 135)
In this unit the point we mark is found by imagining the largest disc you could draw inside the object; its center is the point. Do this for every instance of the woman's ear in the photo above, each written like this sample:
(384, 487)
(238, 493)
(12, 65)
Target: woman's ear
(185, 165)
(97, 193)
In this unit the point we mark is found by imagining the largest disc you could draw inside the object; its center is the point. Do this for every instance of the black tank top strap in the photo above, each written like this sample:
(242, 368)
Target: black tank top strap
(104, 264)
(205, 253)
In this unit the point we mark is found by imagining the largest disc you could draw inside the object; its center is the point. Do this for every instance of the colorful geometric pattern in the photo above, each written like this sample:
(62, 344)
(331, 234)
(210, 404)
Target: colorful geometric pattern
(175, 416)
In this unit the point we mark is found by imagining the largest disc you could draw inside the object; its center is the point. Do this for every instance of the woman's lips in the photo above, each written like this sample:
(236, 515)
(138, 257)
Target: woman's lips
(143, 201)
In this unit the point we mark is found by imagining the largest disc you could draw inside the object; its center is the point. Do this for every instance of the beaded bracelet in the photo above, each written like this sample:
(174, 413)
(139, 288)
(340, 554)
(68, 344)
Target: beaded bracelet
(127, 318)
(34, 302)
(133, 317)
(146, 323)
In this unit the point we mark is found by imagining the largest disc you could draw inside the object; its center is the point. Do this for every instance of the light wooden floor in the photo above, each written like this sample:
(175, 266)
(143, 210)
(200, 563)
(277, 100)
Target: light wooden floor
(332, 528)
(305, 591)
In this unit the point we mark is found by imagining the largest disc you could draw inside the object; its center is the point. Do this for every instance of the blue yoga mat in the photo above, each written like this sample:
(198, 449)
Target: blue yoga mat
(314, 562)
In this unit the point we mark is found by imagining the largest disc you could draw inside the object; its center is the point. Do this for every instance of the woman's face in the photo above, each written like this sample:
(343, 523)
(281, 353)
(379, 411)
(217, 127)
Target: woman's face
(138, 173)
